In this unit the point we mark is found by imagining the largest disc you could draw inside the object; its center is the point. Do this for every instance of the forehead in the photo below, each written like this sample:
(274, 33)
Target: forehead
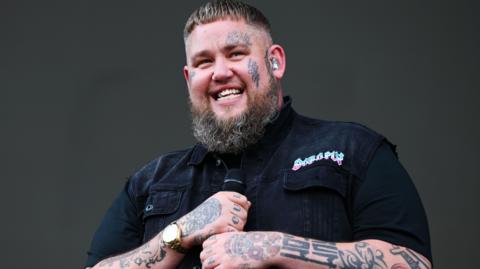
(222, 32)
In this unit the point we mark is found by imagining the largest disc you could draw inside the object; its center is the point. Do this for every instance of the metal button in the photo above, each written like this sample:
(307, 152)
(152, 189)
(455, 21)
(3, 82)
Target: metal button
(219, 162)
(149, 207)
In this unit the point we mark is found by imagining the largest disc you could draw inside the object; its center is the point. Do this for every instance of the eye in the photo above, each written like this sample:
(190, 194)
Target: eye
(202, 62)
(237, 54)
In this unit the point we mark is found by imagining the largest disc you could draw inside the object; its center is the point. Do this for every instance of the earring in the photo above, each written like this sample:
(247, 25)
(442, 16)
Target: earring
(274, 64)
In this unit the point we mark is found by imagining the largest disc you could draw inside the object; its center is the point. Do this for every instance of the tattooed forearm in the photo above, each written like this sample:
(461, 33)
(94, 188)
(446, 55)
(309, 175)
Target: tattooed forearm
(204, 214)
(238, 39)
(148, 254)
(363, 256)
(327, 254)
(253, 71)
(309, 250)
(257, 246)
(414, 260)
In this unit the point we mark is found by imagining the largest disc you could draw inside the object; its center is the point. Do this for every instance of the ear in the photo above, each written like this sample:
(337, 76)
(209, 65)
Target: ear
(186, 75)
(277, 52)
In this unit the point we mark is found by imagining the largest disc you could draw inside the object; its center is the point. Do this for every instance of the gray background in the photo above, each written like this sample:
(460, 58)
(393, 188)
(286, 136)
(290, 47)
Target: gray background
(92, 90)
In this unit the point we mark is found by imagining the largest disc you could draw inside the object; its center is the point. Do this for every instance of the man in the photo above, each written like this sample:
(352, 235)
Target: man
(318, 194)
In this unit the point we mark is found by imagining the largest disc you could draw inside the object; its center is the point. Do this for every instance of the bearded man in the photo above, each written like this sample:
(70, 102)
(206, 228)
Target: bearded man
(316, 194)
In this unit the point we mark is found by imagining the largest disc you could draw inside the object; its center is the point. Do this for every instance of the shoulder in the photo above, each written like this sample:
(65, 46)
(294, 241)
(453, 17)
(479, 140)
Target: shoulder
(354, 143)
(343, 129)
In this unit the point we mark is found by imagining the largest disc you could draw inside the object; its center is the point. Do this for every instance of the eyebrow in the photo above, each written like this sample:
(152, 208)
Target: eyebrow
(202, 53)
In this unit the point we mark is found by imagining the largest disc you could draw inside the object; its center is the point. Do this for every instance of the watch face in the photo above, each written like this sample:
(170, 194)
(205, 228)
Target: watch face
(170, 233)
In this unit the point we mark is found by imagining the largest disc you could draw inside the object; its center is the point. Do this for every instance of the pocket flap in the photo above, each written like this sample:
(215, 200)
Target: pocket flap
(322, 176)
(163, 200)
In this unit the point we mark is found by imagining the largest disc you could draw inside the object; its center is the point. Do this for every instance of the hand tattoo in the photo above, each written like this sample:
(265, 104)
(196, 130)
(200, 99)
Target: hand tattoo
(204, 214)
(245, 266)
(235, 220)
(258, 246)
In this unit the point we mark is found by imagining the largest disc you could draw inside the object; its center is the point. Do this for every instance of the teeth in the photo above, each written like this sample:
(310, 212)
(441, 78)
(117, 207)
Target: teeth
(228, 92)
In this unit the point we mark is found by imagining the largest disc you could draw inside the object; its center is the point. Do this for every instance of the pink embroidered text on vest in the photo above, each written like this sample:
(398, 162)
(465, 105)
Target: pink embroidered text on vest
(335, 156)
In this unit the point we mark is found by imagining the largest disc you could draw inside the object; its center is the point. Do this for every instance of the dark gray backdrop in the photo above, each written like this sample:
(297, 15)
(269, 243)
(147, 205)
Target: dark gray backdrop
(92, 90)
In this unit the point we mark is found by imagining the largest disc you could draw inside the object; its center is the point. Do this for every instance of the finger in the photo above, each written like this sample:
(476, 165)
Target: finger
(210, 241)
(236, 222)
(230, 229)
(239, 211)
(239, 199)
(210, 262)
(206, 252)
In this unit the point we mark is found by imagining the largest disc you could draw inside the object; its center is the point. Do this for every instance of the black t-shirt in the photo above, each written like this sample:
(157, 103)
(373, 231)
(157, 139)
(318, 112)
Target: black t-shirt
(397, 215)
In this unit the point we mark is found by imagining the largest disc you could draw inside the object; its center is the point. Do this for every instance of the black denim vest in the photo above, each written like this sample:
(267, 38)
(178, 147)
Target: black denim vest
(301, 179)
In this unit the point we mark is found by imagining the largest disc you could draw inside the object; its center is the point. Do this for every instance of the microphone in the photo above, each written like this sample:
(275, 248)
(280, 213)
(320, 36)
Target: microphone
(234, 181)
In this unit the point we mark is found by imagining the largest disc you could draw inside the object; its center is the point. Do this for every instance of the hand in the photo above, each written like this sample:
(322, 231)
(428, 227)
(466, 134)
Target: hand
(222, 212)
(241, 250)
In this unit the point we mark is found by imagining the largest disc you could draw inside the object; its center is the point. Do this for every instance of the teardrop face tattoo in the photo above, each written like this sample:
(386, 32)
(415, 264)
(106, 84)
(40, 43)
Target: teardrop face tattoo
(253, 71)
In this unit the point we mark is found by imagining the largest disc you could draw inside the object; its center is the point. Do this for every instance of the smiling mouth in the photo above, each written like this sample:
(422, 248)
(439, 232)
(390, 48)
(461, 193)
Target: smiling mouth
(228, 94)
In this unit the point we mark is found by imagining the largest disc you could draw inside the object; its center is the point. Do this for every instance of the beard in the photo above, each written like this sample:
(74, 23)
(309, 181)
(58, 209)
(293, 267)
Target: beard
(235, 134)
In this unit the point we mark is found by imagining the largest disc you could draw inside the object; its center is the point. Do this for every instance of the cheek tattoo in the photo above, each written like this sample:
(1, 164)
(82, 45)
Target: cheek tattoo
(192, 74)
(253, 71)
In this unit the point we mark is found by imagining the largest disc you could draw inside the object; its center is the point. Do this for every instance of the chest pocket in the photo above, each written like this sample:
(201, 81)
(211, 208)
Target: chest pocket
(322, 193)
(309, 202)
(161, 208)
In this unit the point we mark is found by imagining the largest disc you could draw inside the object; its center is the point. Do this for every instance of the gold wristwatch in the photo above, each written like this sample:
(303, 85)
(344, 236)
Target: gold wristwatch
(172, 237)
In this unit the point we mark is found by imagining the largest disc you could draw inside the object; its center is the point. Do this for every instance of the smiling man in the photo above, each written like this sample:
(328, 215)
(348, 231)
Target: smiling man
(233, 88)
(317, 194)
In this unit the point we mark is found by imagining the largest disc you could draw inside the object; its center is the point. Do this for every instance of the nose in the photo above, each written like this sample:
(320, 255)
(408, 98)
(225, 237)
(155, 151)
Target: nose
(222, 71)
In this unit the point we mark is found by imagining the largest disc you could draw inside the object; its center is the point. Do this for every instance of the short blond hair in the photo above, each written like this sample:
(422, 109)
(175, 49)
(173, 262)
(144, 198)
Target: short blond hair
(226, 9)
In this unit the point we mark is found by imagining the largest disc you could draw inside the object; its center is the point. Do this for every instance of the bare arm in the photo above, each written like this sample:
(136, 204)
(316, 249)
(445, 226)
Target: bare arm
(263, 249)
(223, 212)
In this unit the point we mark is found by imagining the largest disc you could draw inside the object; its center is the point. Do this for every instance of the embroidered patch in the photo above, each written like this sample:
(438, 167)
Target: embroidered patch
(335, 156)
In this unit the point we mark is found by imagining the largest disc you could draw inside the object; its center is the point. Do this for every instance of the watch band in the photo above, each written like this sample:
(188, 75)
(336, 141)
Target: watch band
(178, 248)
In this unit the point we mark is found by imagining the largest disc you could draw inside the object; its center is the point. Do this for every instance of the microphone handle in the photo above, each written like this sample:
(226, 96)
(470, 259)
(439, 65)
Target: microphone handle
(234, 181)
